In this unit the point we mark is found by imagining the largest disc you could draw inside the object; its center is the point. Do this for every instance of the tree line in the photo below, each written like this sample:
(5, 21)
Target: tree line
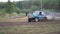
(28, 6)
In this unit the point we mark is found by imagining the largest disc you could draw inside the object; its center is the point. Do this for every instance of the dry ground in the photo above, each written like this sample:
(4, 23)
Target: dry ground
(20, 25)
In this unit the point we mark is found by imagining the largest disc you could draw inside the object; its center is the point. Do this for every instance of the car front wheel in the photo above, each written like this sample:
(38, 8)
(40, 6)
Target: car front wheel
(31, 20)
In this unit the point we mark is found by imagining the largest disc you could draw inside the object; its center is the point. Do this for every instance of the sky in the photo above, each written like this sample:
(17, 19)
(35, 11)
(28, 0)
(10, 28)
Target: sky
(10, 0)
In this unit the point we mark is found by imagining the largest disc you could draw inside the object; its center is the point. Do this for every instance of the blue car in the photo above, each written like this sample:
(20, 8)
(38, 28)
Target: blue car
(36, 15)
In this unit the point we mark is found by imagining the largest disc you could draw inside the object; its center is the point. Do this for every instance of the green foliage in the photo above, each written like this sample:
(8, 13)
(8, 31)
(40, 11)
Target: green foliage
(48, 10)
(2, 12)
(34, 8)
(28, 6)
(10, 7)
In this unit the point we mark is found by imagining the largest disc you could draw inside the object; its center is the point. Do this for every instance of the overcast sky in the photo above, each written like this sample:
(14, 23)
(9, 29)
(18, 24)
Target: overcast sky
(10, 0)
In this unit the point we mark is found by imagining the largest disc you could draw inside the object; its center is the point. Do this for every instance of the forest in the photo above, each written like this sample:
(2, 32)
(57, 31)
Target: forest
(29, 6)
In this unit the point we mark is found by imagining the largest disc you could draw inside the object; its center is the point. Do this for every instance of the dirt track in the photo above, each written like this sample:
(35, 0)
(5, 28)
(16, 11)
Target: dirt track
(26, 23)
(29, 23)
(2, 24)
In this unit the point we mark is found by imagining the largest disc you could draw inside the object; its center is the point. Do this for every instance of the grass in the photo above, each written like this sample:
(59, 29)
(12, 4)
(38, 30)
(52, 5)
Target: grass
(42, 28)
(11, 19)
(3, 19)
(30, 29)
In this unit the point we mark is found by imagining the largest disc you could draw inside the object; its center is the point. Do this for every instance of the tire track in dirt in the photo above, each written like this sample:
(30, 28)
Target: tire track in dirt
(27, 23)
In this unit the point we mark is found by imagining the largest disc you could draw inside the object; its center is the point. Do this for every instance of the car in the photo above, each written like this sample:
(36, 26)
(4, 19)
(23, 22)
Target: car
(34, 16)
(39, 17)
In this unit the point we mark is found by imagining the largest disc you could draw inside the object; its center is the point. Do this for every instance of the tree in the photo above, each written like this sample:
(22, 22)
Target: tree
(10, 7)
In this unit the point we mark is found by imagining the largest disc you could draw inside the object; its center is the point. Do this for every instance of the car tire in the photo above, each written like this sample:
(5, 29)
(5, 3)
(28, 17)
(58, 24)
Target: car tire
(45, 19)
(33, 19)
(29, 19)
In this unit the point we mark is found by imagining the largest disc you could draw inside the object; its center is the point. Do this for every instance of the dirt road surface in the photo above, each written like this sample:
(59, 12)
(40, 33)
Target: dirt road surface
(23, 21)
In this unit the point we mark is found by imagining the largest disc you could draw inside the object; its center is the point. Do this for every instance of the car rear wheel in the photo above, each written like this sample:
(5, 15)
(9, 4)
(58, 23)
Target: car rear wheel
(29, 20)
(45, 18)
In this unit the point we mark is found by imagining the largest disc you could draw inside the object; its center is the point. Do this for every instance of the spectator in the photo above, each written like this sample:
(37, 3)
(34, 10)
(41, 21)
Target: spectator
(26, 13)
